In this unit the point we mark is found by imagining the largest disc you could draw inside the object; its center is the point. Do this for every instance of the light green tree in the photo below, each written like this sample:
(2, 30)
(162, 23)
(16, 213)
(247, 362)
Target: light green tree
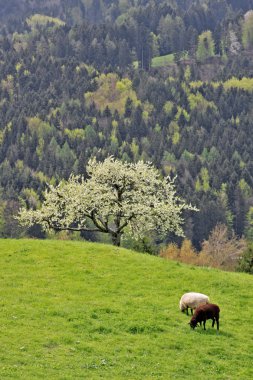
(205, 47)
(117, 195)
(203, 181)
(247, 30)
(249, 224)
(174, 132)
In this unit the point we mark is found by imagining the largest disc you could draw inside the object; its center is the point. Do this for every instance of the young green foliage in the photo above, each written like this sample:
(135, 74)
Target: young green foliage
(247, 30)
(205, 47)
(39, 19)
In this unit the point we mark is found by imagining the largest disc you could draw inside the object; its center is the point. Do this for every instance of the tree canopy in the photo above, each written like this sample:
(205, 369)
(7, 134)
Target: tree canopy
(205, 46)
(117, 195)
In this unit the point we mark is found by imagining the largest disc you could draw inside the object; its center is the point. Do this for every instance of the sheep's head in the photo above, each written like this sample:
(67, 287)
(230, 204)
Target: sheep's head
(193, 323)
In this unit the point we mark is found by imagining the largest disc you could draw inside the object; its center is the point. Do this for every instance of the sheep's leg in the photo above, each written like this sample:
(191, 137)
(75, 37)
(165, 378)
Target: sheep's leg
(217, 323)
(213, 322)
(192, 311)
(204, 323)
(187, 311)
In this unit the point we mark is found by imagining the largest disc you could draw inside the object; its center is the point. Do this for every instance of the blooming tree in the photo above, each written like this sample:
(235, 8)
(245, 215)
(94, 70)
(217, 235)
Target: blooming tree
(117, 195)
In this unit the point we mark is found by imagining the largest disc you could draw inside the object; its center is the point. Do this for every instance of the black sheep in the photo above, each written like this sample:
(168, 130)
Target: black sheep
(204, 312)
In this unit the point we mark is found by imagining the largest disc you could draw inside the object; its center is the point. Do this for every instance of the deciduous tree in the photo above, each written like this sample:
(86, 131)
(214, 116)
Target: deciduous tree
(223, 250)
(205, 47)
(117, 195)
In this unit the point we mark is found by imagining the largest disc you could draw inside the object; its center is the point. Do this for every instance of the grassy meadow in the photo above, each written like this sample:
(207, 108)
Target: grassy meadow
(163, 60)
(159, 61)
(75, 310)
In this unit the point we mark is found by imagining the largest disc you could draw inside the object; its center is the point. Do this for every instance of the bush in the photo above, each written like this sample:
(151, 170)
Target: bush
(219, 251)
(185, 254)
(246, 262)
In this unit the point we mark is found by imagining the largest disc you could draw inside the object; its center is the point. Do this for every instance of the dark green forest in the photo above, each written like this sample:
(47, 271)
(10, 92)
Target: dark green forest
(165, 81)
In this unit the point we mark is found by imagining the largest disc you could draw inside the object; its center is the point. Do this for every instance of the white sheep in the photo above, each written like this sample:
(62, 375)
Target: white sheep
(192, 300)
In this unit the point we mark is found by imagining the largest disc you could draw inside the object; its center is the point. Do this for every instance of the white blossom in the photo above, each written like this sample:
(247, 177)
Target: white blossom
(235, 45)
(115, 196)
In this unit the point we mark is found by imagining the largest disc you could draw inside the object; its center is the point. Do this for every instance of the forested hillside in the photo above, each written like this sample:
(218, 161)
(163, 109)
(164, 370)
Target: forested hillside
(166, 81)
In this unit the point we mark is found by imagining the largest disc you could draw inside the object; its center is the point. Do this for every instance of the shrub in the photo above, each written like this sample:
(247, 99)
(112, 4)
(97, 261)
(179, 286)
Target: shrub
(219, 251)
(185, 254)
(246, 261)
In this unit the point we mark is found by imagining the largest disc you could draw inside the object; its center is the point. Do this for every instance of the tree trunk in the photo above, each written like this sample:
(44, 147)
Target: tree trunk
(116, 238)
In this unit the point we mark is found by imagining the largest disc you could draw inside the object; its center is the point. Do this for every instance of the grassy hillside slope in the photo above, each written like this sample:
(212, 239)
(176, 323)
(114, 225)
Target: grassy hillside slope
(73, 310)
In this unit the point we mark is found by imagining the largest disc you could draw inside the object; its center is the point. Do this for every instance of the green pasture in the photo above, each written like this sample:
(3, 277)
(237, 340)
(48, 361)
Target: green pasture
(75, 310)
(159, 61)
(164, 60)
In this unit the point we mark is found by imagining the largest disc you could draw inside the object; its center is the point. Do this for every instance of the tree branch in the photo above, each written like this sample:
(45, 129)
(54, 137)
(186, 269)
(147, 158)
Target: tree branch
(103, 226)
(126, 223)
(79, 229)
